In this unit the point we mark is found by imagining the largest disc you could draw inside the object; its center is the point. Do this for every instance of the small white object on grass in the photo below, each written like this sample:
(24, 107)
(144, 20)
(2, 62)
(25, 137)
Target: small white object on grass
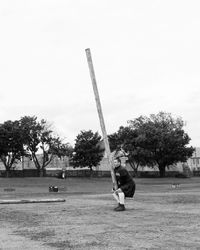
(175, 185)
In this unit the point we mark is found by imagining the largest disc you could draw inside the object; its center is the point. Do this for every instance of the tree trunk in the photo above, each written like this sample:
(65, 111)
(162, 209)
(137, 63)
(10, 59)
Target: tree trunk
(37, 165)
(162, 171)
(91, 172)
(43, 172)
(38, 172)
(8, 174)
(135, 168)
(136, 172)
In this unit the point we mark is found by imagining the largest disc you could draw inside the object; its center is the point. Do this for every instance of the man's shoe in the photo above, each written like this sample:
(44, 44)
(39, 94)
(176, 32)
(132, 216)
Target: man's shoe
(121, 207)
(117, 206)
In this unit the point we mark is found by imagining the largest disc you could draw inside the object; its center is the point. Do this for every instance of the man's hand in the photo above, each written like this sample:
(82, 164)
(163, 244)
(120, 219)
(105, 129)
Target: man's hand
(114, 189)
(118, 191)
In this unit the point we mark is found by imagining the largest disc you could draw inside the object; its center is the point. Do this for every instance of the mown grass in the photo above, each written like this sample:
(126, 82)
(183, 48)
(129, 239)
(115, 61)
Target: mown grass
(159, 217)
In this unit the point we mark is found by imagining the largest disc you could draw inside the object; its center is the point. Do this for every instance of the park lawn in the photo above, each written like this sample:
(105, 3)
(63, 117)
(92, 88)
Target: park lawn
(159, 217)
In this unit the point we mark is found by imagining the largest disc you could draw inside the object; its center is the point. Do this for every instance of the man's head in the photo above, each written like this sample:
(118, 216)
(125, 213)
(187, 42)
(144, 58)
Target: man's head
(117, 162)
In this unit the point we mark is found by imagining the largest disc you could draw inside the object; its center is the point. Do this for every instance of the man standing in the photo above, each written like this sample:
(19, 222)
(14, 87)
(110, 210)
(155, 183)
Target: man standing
(126, 185)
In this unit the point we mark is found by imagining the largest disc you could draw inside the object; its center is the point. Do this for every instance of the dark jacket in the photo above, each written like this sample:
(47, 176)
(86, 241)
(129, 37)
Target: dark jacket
(125, 181)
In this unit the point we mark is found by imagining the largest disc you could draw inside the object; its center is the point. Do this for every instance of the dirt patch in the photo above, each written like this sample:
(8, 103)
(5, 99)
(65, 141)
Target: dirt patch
(157, 218)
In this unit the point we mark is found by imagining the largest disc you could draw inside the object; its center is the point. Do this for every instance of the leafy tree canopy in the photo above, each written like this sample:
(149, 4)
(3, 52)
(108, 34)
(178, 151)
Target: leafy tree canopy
(11, 143)
(87, 150)
(155, 140)
(39, 138)
(164, 138)
(126, 139)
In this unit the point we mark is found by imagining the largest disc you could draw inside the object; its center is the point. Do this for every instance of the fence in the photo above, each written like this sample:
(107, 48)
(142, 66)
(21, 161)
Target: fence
(20, 173)
(87, 173)
(196, 172)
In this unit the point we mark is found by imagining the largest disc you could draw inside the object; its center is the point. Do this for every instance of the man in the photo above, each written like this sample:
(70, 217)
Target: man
(126, 185)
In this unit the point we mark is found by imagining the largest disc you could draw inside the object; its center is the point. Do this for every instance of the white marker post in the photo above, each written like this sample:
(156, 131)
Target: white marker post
(100, 113)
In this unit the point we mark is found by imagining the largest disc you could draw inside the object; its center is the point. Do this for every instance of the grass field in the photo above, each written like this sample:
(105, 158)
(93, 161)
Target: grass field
(159, 217)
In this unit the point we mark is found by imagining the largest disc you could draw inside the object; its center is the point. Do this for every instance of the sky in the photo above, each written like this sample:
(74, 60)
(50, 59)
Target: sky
(146, 56)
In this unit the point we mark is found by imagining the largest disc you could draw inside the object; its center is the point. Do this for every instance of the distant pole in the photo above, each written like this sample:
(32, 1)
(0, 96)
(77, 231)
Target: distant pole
(100, 113)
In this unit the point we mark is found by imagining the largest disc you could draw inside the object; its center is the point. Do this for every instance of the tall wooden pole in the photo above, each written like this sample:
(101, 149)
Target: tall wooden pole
(100, 113)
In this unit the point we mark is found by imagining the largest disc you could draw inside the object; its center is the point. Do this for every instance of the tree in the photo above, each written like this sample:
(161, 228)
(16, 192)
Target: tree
(87, 150)
(11, 144)
(40, 140)
(126, 139)
(163, 137)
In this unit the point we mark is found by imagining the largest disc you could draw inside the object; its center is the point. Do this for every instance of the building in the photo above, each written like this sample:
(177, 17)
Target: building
(194, 161)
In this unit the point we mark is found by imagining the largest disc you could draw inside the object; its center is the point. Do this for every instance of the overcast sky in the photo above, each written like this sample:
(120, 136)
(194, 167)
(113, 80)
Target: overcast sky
(146, 56)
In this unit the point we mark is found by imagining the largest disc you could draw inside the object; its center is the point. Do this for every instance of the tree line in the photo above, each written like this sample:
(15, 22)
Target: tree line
(29, 137)
(158, 140)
